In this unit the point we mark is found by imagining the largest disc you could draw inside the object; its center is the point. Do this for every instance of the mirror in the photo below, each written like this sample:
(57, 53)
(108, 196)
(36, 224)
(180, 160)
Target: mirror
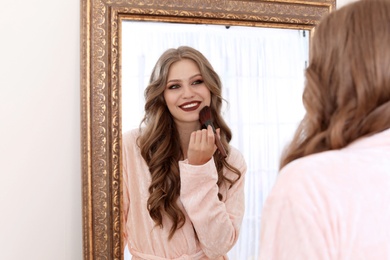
(261, 70)
(101, 90)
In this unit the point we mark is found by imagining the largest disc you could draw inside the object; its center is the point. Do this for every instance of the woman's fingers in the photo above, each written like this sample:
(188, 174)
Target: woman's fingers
(218, 130)
(210, 136)
(202, 146)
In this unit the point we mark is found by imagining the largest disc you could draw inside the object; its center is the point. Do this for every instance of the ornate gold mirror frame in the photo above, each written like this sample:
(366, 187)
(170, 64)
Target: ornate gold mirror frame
(101, 89)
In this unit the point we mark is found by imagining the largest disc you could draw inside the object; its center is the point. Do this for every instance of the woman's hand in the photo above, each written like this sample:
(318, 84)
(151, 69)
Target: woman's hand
(202, 146)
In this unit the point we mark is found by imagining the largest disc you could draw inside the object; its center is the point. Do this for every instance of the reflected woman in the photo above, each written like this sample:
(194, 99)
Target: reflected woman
(182, 198)
(332, 197)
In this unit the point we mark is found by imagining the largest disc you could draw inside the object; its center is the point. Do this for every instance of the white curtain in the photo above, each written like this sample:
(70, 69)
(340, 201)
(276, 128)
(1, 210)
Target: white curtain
(262, 73)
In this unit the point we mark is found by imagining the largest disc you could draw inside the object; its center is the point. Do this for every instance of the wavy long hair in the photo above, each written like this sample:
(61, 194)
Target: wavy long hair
(159, 140)
(347, 90)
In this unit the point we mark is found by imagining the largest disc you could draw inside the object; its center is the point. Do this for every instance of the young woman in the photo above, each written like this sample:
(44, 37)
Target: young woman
(182, 198)
(332, 197)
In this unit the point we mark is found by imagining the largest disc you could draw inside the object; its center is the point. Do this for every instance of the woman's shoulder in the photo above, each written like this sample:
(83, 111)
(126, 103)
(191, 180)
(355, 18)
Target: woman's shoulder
(129, 138)
(316, 173)
(234, 153)
(305, 178)
(362, 150)
(318, 162)
(131, 135)
(236, 158)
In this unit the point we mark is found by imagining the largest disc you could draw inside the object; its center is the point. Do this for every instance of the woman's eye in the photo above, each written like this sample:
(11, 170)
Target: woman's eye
(173, 87)
(196, 82)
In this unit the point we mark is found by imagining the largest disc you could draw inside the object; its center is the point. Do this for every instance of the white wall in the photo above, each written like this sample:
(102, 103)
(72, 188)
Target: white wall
(40, 176)
(340, 3)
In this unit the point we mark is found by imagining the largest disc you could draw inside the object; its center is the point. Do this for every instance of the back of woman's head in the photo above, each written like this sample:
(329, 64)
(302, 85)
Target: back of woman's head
(347, 92)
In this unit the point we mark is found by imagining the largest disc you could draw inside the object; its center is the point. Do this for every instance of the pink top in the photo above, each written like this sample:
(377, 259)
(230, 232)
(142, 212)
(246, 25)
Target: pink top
(331, 205)
(217, 223)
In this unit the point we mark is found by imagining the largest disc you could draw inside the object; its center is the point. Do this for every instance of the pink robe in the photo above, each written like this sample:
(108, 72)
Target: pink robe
(217, 223)
(331, 205)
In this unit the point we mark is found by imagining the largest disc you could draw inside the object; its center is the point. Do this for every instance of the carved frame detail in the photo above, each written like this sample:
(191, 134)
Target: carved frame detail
(101, 90)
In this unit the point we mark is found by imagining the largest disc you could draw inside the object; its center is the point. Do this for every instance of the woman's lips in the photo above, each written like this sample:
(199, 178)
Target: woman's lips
(190, 106)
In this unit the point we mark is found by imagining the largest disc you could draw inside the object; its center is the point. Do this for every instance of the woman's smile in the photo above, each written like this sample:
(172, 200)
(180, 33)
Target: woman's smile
(190, 106)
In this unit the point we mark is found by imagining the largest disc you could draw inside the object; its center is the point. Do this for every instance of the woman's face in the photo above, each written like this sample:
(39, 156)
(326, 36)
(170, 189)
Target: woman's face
(185, 93)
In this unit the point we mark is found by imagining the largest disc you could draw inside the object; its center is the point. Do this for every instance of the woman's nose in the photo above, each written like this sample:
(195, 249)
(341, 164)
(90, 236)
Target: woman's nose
(188, 91)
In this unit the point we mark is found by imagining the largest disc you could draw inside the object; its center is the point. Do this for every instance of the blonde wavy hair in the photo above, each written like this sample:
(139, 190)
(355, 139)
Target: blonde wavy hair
(159, 140)
(347, 91)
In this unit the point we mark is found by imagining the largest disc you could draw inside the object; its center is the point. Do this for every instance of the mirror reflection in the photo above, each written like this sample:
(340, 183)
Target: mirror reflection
(261, 70)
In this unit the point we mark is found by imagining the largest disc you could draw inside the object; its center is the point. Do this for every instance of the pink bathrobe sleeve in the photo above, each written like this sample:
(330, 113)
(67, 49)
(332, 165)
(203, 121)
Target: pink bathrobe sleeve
(331, 205)
(217, 223)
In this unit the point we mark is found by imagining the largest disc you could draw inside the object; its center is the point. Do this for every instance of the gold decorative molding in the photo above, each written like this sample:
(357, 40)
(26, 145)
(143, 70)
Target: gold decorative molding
(101, 90)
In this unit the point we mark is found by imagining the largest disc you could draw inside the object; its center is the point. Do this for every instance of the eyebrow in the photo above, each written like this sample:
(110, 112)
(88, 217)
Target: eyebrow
(178, 80)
